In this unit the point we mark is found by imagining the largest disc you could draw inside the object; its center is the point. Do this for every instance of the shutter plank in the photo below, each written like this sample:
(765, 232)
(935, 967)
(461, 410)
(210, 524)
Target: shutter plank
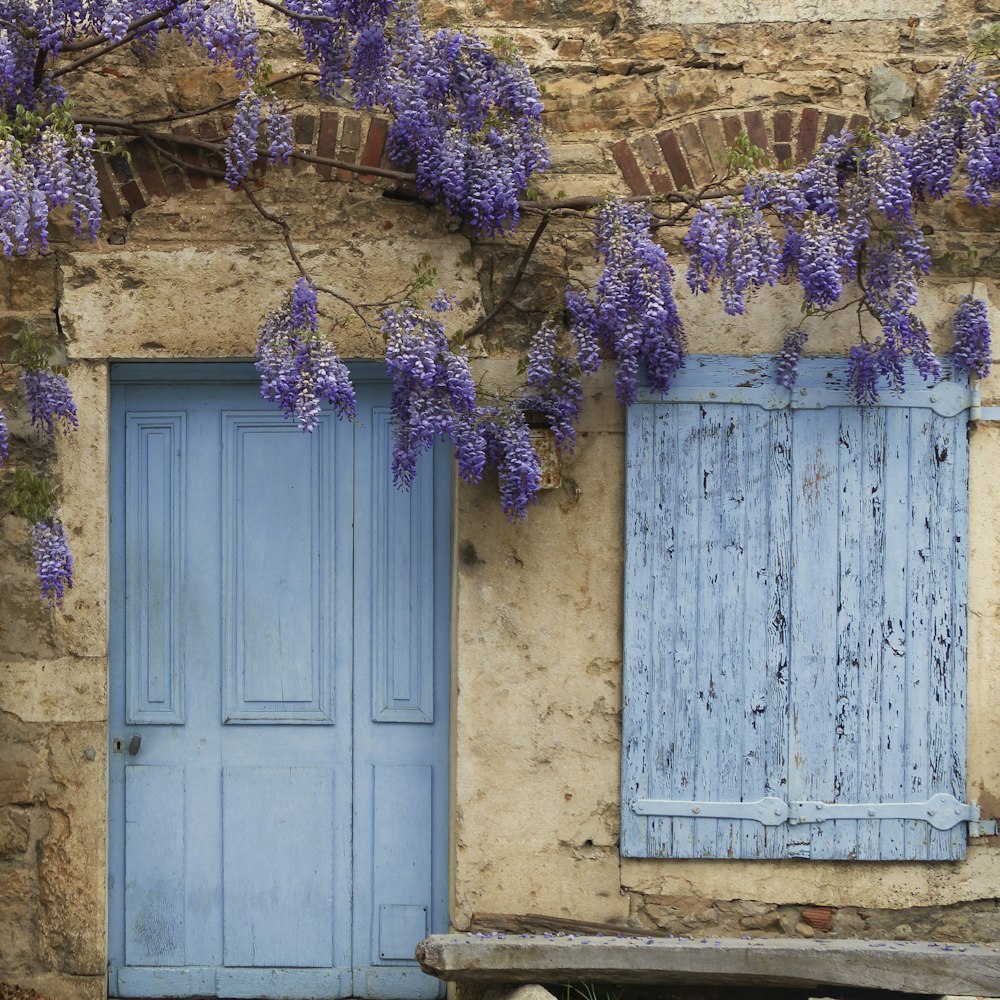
(641, 473)
(711, 597)
(946, 766)
(892, 692)
(680, 781)
(680, 430)
(871, 610)
(813, 639)
(765, 668)
(663, 692)
(847, 785)
(730, 680)
(918, 631)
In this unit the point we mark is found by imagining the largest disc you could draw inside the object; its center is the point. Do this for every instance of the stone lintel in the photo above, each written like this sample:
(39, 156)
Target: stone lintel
(918, 967)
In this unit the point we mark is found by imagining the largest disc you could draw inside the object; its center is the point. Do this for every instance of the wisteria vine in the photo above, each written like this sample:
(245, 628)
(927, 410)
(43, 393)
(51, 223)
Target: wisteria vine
(465, 125)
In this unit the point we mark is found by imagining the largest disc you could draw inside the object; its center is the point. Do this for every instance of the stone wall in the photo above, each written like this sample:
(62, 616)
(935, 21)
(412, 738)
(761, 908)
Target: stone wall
(640, 97)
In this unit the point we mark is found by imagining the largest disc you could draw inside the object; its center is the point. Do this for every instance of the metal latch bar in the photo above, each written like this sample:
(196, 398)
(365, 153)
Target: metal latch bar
(942, 811)
(769, 811)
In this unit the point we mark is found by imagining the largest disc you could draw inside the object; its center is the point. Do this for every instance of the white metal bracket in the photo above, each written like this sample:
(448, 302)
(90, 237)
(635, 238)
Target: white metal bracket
(942, 811)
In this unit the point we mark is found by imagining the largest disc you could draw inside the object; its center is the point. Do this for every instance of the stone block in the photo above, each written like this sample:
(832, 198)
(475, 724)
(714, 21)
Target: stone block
(889, 95)
(15, 831)
(33, 284)
(659, 45)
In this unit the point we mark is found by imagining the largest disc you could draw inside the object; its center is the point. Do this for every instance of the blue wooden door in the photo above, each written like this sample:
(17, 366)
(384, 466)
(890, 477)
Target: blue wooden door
(279, 688)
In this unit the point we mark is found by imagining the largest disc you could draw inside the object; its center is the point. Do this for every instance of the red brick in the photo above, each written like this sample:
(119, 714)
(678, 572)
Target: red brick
(782, 123)
(305, 129)
(859, 122)
(350, 143)
(133, 196)
(699, 161)
(649, 150)
(348, 156)
(715, 143)
(149, 172)
(834, 126)
(187, 153)
(304, 132)
(662, 183)
(371, 156)
(174, 177)
(808, 127)
(109, 192)
(783, 154)
(674, 156)
(351, 139)
(756, 129)
(209, 131)
(732, 126)
(630, 169)
(326, 145)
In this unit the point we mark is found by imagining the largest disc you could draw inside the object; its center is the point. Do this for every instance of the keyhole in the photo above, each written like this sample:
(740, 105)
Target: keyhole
(116, 745)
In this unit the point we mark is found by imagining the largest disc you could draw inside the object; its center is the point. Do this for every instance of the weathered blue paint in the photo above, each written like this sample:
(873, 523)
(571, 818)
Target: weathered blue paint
(795, 613)
(280, 618)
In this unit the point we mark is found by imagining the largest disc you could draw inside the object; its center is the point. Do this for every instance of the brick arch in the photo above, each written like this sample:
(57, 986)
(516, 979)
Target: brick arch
(687, 155)
(130, 183)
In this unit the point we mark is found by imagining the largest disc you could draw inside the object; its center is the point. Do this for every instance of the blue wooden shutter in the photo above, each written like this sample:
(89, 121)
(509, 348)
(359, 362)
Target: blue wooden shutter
(795, 619)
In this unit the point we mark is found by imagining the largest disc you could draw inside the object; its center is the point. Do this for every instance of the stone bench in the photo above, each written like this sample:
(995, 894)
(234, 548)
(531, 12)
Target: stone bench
(924, 968)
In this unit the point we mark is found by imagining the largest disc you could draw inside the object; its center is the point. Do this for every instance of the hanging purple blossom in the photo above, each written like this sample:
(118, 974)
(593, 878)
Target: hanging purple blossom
(467, 115)
(4, 438)
(971, 328)
(508, 447)
(50, 402)
(731, 244)
(53, 560)
(558, 401)
(298, 369)
(863, 374)
(240, 147)
(279, 132)
(433, 394)
(787, 362)
(633, 309)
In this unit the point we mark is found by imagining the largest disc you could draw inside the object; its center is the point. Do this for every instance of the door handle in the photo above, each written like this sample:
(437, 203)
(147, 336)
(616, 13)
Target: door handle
(134, 744)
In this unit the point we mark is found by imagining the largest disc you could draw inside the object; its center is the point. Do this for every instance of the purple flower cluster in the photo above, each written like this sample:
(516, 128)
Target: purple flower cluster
(848, 215)
(633, 311)
(787, 363)
(45, 163)
(240, 147)
(299, 369)
(433, 394)
(982, 146)
(4, 438)
(53, 560)
(468, 117)
(349, 41)
(279, 132)
(50, 402)
(971, 328)
(933, 149)
(863, 374)
(554, 387)
(509, 448)
(732, 245)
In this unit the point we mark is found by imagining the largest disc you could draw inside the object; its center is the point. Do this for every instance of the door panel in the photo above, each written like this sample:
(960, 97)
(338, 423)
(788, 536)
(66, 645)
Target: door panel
(280, 644)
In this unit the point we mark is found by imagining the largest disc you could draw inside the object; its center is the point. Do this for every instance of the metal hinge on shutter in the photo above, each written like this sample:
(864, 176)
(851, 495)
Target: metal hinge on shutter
(942, 811)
